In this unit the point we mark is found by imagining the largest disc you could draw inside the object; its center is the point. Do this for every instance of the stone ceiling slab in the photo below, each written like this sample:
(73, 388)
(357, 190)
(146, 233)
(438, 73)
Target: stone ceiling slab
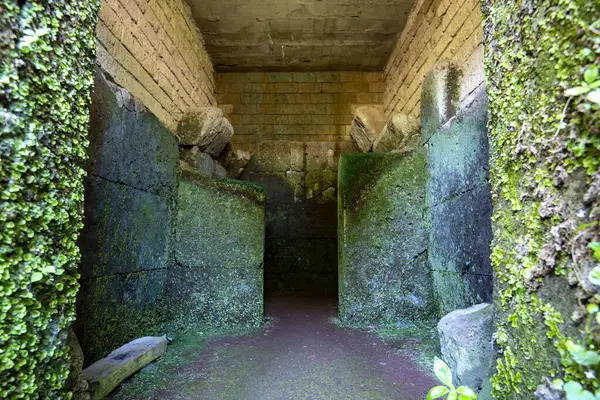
(279, 35)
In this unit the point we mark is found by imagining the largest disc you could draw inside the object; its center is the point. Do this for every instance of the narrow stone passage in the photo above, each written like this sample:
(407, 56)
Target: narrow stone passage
(300, 354)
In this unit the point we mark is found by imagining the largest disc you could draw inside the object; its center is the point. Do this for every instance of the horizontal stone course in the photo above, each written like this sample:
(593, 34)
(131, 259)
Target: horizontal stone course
(296, 106)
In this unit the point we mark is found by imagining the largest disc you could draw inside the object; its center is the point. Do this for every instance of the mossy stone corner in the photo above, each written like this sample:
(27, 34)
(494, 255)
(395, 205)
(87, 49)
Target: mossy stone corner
(384, 274)
(219, 248)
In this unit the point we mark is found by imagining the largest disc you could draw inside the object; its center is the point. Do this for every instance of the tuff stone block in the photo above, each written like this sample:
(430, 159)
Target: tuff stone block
(125, 230)
(128, 144)
(399, 134)
(458, 193)
(366, 126)
(384, 274)
(466, 344)
(440, 97)
(115, 309)
(206, 207)
(220, 231)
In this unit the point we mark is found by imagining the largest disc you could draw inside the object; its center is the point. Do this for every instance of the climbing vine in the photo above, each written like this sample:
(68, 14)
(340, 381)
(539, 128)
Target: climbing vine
(46, 63)
(544, 130)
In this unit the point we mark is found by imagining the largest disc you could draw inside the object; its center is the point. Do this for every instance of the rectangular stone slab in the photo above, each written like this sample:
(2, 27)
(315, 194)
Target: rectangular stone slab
(219, 223)
(384, 274)
(106, 374)
(460, 205)
(219, 252)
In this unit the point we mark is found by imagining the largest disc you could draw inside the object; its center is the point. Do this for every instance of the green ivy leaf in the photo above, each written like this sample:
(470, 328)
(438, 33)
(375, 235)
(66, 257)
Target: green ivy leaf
(465, 393)
(575, 391)
(436, 392)
(595, 246)
(581, 355)
(594, 276)
(590, 74)
(36, 276)
(442, 371)
(576, 91)
(594, 96)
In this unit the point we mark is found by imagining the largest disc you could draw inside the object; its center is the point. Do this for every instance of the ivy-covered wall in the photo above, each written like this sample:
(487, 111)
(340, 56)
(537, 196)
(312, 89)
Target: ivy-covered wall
(46, 65)
(542, 65)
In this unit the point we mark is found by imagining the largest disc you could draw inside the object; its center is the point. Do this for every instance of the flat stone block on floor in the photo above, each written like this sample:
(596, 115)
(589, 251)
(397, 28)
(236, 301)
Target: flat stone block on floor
(106, 374)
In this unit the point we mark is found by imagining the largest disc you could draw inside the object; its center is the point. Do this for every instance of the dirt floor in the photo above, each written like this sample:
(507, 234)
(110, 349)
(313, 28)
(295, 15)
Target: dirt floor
(300, 354)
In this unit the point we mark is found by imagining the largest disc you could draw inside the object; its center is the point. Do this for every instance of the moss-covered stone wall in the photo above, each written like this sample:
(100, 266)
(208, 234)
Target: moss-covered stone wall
(460, 207)
(384, 273)
(217, 279)
(46, 72)
(545, 157)
(129, 203)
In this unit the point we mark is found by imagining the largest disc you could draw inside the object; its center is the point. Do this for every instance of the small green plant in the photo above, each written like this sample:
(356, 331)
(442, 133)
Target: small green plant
(590, 86)
(444, 375)
(574, 390)
(585, 356)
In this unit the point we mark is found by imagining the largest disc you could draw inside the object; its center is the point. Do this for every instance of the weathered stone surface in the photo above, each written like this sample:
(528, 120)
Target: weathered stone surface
(366, 126)
(466, 343)
(459, 250)
(385, 277)
(115, 309)
(219, 250)
(234, 161)
(459, 197)
(206, 128)
(439, 97)
(125, 243)
(398, 134)
(76, 384)
(193, 126)
(325, 155)
(357, 38)
(106, 374)
(459, 152)
(129, 145)
(272, 156)
(219, 223)
(125, 229)
(216, 140)
(214, 297)
(203, 163)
